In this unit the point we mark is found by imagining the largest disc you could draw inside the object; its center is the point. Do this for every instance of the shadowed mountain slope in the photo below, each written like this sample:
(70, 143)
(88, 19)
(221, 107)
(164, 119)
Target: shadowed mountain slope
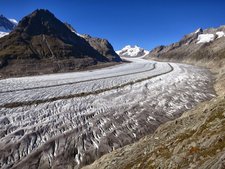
(43, 44)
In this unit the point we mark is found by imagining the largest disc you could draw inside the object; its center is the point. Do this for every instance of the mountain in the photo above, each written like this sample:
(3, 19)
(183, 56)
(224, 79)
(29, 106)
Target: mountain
(132, 51)
(6, 25)
(43, 44)
(200, 46)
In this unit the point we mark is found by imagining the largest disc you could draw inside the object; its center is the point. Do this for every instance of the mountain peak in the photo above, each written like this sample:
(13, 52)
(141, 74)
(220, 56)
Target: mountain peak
(199, 30)
(42, 13)
(41, 21)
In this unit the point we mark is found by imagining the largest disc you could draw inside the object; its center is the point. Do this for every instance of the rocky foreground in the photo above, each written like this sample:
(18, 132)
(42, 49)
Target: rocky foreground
(195, 140)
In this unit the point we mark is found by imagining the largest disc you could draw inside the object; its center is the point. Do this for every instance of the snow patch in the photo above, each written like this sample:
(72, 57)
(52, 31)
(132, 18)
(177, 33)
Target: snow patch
(2, 34)
(198, 30)
(15, 22)
(205, 38)
(220, 34)
(77, 33)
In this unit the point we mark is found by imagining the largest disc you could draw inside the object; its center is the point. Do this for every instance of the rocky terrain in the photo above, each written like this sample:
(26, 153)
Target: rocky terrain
(197, 138)
(101, 45)
(41, 43)
(202, 46)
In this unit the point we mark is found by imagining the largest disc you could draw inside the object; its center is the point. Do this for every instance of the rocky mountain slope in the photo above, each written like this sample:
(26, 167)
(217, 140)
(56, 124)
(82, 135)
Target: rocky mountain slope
(101, 45)
(132, 51)
(196, 139)
(43, 44)
(6, 25)
(200, 46)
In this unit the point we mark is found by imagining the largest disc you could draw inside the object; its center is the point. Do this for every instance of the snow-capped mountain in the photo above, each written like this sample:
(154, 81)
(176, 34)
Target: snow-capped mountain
(15, 22)
(6, 25)
(132, 51)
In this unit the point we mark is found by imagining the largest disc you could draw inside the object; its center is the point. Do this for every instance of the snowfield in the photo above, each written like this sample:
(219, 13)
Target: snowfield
(70, 119)
(208, 37)
(2, 34)
(220, 34)
(205, 38)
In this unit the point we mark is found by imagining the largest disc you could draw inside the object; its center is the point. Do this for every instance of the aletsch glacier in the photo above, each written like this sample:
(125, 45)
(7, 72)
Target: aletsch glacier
(108, 108)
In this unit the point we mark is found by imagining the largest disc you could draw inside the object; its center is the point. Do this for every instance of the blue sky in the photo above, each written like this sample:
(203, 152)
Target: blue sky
(142, 22)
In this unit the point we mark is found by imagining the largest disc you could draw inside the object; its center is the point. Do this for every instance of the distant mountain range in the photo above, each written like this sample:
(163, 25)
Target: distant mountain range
(201, 46)
(41, 43)
(132, 51)
(6, 25)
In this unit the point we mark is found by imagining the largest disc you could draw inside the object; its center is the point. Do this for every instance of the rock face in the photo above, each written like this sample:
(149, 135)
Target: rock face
(43, 44)
(101, 45)
(201, 45)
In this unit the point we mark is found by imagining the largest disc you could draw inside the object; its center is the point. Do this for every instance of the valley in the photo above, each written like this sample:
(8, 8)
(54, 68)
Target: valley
(68, 120)
(71, 100)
